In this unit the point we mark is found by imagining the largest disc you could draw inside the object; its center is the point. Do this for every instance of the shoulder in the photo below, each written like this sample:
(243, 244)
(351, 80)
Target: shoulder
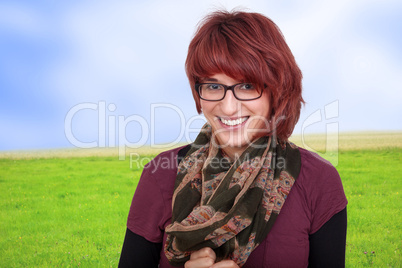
(317, 174)
(165, 161)
(151, 205)
(322, 188)
(160, 173)
(312, 163)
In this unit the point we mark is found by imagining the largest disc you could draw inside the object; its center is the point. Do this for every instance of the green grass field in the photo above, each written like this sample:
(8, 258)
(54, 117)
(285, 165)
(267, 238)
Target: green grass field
(69, 207)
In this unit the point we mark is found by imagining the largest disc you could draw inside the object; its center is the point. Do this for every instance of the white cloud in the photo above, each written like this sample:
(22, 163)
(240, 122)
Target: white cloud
(133, 53)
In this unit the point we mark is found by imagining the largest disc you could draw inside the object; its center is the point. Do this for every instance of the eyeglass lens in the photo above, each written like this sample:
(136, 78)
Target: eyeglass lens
(213, 91)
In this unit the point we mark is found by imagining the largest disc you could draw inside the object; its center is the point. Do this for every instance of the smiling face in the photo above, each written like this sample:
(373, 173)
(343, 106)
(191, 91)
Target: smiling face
(236, 123)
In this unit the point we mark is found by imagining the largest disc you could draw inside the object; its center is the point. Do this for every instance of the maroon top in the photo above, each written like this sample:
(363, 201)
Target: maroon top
(316, 196)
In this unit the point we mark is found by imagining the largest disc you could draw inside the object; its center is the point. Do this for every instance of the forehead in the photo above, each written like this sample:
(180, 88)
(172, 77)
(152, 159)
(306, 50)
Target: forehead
(222, 79)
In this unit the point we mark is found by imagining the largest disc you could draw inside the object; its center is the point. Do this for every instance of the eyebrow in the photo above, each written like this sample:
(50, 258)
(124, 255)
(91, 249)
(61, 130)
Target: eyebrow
(210, 79)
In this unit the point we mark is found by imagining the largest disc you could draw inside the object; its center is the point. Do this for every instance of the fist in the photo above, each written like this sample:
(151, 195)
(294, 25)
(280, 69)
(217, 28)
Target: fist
(205, 258)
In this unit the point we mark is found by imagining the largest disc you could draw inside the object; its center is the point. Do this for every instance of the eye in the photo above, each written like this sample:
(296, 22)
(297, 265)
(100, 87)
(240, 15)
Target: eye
(246, 86)
(212, 87)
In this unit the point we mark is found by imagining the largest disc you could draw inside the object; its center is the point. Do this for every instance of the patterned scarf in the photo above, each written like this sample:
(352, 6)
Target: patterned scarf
(229, 207)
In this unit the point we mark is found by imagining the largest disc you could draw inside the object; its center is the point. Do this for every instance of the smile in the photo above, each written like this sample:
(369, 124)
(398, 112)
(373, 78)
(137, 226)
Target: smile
(236, 122)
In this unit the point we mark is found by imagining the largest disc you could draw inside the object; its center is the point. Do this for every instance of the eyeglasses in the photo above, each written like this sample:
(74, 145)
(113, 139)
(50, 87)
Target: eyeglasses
(217, 92)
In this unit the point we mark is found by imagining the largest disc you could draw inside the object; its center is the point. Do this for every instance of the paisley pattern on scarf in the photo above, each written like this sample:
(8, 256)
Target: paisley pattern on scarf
(229, 207)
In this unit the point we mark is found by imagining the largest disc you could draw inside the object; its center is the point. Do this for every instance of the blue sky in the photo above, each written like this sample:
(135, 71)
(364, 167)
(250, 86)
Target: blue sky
(128, 56)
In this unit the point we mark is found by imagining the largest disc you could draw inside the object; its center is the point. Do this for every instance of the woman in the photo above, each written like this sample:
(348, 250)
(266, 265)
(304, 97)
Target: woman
(241, 195)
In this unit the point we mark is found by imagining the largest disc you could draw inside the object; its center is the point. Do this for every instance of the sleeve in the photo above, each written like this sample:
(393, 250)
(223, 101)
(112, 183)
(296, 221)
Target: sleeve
(139, 252)
(147, 209)
(328, 244)
(327, 196)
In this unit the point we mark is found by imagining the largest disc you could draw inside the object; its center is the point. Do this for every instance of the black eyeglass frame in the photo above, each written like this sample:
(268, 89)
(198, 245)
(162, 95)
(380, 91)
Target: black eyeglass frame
(198, 85)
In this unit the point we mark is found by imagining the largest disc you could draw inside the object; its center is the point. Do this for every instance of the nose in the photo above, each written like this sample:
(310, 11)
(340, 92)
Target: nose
(230, 105)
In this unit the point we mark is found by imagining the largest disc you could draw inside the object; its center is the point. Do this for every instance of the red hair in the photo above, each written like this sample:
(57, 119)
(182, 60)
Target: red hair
(248, 47)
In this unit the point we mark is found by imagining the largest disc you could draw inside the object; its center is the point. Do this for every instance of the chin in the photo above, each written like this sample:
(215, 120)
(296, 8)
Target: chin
(226, 140)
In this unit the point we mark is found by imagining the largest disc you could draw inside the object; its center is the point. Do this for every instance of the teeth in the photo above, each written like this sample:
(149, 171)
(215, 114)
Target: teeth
(233, 122)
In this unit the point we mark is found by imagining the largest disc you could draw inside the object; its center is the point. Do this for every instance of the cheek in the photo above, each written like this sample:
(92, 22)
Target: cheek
(268, 107)
(206, 108)
(264, 106)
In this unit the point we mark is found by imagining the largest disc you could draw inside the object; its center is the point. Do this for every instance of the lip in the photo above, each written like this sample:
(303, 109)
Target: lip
(233, 118)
